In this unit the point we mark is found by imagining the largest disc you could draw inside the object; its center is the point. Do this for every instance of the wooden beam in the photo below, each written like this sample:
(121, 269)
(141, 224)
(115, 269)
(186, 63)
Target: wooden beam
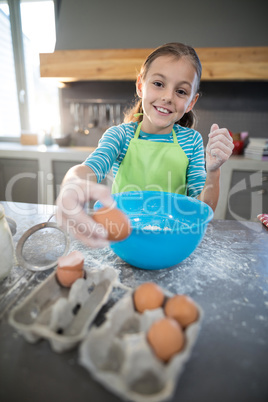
(235, 63)
(243, 63)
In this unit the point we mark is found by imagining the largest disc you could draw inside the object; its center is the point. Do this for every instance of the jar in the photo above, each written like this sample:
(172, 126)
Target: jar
(7, 253)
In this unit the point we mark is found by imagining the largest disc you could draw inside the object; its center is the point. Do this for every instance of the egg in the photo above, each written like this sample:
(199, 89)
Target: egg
(182, 308)
(70, 268)
(166, 338)
(115, 222)
(148, 296)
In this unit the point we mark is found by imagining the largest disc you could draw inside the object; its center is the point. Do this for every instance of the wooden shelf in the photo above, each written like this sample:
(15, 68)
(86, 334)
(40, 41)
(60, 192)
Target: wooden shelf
(222, 64)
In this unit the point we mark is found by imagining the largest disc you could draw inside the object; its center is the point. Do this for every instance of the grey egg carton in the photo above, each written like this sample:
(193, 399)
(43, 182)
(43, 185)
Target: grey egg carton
(118, 355)
(63, 315)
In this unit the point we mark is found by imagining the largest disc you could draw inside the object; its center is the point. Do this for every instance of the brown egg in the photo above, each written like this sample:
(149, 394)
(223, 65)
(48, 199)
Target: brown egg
(166, 338)
(70, 268)
(115, 222)
(148, 296)
(182, 308)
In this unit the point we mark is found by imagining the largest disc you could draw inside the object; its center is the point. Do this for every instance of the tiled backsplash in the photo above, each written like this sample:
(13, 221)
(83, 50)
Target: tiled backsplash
(88, 108)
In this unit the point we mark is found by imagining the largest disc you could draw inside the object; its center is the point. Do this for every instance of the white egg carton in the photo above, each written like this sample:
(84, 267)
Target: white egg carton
(118, 355)
(63, 315)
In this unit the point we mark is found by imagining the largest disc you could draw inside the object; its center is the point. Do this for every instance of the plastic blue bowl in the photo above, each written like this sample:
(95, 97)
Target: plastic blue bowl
(166, 228)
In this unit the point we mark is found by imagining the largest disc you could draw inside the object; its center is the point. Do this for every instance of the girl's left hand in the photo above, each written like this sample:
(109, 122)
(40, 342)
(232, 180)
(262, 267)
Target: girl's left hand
(219, 148)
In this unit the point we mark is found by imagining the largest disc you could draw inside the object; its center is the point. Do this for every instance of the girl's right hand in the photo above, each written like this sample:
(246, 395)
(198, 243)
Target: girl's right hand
(71, 213)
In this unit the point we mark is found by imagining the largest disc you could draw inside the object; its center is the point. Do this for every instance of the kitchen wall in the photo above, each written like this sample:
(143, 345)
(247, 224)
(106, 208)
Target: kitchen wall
(104, 24)
(239, 106)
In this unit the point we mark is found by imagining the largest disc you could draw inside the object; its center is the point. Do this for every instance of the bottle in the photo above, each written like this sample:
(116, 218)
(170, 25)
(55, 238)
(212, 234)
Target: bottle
(7, 253)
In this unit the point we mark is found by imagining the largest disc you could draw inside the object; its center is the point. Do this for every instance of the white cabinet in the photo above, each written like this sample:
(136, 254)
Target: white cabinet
(18, 180)
(35, 173)
(40, 178)
(244, 189)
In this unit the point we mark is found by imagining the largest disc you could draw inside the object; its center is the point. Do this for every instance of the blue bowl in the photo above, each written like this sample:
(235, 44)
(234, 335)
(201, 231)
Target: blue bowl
(166, 228)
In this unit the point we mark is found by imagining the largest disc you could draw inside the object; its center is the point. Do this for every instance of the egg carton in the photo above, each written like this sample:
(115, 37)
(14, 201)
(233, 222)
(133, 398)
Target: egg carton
(63, 315)
(118, 355)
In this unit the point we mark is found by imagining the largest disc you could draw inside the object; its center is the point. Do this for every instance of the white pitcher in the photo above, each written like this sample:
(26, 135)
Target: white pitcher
(7, 253)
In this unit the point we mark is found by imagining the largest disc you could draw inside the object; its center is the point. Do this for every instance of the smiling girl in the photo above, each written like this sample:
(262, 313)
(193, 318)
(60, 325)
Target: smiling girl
(155, 149)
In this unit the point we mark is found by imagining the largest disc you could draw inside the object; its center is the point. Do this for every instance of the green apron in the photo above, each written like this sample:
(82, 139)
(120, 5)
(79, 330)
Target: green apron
(152, 166)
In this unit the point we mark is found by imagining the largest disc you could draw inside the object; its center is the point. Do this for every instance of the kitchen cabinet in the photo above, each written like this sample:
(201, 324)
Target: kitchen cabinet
(244, 189)
(40, 169)
(59, 169)
(249, 194)
(37, 160)
(19, 178)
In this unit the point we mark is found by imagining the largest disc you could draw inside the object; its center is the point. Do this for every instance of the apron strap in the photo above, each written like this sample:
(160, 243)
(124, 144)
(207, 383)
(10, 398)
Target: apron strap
(137, 133)
(175, 139)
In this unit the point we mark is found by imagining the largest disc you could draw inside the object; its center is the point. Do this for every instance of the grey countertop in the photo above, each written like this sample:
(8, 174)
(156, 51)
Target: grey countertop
(227, 275)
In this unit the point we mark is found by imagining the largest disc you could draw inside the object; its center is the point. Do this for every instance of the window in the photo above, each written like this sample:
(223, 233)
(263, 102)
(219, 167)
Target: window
(9, 105)
(27, 102)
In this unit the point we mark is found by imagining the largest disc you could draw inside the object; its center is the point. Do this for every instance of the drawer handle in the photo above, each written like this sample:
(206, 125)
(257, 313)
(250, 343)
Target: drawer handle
(265, 178)
(261, 192)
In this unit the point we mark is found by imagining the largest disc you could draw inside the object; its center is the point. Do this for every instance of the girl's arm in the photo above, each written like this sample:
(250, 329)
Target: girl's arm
(218, 151)
(79, 186)
(211, 190)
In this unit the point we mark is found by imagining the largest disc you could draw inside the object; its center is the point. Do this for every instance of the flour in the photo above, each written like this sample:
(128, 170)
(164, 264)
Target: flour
(219, 274)
(219, 258)
(151, 227)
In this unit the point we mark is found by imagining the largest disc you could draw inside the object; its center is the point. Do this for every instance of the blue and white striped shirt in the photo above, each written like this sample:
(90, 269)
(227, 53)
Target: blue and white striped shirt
(114, 143)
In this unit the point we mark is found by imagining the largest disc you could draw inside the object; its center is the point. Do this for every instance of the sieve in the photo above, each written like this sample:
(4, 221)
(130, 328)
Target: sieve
(21, 243)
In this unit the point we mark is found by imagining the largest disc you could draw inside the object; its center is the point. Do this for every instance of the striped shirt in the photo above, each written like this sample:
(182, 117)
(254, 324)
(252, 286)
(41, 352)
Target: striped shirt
(114, 143)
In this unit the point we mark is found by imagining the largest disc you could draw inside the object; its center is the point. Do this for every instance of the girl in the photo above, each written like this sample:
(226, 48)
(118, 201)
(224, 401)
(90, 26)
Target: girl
(155, 149)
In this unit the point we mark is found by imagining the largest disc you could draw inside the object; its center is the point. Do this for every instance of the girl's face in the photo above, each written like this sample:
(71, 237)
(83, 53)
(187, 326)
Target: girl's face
(167, 92)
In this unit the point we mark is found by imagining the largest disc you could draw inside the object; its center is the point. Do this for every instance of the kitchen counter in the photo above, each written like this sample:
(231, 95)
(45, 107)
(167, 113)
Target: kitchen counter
(227, 275)
(27, 151)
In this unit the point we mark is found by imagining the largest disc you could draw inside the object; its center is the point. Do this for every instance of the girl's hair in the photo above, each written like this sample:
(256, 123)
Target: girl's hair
(177, 50)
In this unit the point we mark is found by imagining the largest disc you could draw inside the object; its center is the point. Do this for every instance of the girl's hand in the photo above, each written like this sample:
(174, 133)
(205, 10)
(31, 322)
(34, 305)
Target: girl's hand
(219, 148)
(71, 214)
